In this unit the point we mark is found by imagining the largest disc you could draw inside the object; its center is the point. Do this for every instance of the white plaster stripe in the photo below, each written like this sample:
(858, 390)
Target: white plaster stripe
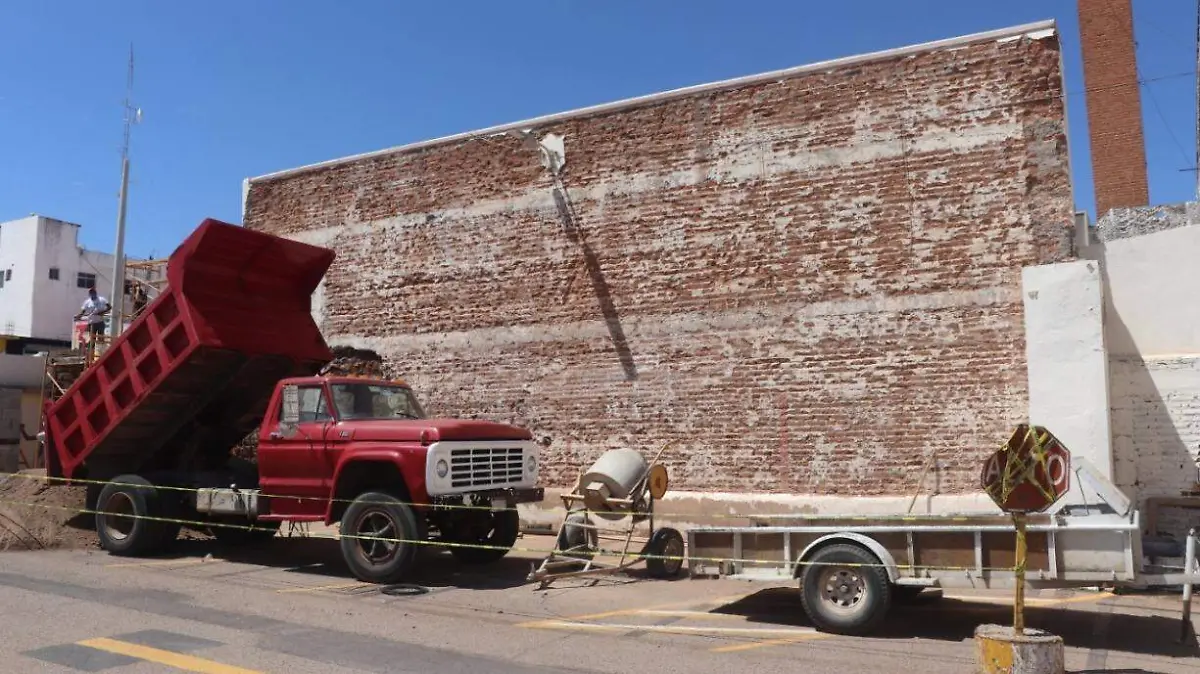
(649, 327)
(734, 167)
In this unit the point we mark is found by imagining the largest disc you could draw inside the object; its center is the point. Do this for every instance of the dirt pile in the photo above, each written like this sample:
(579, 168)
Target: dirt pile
(351, 362)
(36, 515)
(248, 448)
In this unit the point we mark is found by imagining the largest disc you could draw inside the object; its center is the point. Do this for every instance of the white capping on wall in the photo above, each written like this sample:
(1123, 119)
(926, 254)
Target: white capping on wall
(1067, 359)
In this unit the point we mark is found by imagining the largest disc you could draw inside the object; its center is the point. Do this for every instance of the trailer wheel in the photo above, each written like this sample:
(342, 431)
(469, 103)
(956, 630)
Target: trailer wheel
(665, 550)
(123, 507)
(373, 516)
(845, 589)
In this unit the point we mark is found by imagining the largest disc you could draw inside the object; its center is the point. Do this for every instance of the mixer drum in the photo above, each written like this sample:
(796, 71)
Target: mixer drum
(614, 475)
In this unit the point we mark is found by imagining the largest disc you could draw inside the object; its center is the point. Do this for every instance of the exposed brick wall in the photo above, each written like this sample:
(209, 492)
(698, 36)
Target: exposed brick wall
(1113, 103)
(1156, 431)
(804, 284)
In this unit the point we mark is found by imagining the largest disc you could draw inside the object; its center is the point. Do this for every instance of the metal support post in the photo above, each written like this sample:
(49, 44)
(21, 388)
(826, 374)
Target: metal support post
(1189, 569)
(1019, 583)
(117, 301)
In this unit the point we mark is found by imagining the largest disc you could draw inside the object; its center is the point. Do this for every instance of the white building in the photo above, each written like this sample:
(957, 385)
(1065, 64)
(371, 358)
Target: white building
(44, 277)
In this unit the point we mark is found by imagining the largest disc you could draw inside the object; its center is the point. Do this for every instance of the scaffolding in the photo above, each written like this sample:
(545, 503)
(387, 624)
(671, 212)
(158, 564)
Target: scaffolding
(144, 281)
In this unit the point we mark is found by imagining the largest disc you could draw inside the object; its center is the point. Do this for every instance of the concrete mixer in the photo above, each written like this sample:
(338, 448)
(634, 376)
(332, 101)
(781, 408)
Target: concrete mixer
(619, 489)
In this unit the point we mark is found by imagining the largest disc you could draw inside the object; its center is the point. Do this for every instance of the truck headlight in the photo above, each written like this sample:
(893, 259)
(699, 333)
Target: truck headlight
(442, 468)
(531, 464)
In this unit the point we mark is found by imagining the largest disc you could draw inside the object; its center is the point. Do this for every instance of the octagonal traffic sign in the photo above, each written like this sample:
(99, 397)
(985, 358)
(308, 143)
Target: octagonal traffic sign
(1030, 473)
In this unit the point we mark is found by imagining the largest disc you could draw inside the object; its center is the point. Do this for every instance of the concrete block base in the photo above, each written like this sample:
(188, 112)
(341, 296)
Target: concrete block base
(999, 650)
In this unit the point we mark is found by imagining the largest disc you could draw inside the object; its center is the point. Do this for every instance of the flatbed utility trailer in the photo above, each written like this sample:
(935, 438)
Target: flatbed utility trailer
(851, 568)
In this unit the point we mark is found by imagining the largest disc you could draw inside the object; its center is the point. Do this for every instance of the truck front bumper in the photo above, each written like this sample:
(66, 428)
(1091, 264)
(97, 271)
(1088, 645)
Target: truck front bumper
(510, 497)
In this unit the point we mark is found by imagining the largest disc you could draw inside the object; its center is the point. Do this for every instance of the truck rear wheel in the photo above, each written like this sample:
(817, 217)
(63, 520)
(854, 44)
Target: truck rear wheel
(845, 589)
(498, 533)
(379, 538)
(124, 507)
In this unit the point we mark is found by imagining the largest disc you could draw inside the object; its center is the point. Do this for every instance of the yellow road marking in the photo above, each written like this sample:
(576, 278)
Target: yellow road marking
(634, 611)
(342, 586)
(168, 658)
(163, 562)
(702, 615)
(773, 642)
(675, 629)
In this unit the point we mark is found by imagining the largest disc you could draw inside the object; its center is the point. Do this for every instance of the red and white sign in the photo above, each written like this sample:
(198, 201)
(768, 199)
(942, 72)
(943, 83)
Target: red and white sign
(1030, 473)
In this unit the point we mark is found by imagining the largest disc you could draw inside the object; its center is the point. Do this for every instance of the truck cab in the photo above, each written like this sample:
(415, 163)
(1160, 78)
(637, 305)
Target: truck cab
(363, 452)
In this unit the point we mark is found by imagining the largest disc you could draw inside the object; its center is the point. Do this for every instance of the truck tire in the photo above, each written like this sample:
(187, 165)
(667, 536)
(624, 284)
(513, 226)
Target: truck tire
(845, 590)
(374, 514)
(499, 535)
(665, 543)
(122, 509)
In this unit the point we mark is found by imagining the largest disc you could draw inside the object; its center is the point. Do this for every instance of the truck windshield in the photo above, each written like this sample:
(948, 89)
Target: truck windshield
(375, 401)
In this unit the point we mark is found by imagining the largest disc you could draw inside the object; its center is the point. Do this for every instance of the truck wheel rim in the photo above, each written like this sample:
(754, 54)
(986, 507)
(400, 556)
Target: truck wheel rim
(843, 589)
(373, 526)
(118, 516)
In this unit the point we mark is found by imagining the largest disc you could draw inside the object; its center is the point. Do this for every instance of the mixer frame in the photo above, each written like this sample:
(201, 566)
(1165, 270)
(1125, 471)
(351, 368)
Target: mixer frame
(662, 548)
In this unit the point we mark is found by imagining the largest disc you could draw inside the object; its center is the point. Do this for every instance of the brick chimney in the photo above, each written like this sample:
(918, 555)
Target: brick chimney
(1113, 103)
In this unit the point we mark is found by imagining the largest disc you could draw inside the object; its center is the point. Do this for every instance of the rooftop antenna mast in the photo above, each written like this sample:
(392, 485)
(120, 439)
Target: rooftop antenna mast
(132, 116)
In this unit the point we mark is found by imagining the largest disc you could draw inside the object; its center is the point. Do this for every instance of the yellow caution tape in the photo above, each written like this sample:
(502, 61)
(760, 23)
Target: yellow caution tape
(542, 551)
(451, 506)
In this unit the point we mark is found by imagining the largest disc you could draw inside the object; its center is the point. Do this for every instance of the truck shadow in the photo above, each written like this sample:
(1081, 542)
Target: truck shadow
(1089, 626)
(322, 557)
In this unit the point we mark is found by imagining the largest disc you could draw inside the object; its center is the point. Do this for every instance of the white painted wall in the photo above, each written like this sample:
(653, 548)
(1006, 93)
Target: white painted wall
(1152, 325)
(1153, 281)
(1067, 359)
(33, 304)
(18, 259)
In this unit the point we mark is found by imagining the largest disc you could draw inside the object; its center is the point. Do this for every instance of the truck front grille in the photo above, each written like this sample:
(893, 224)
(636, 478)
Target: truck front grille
(486, 467)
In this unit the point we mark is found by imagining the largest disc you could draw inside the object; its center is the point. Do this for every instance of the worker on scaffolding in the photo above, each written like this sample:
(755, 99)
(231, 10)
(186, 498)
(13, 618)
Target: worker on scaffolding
(94, 309)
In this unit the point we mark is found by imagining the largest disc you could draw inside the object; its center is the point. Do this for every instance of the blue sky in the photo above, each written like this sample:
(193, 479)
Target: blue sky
(237, 88)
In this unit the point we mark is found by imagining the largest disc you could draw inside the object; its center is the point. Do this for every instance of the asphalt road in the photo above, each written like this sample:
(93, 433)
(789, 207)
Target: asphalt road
(290, 607)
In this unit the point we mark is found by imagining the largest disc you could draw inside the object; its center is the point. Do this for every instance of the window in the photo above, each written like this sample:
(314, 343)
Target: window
(375, 401)
(85, 280)
(7, 274)
(313, 407)
(54, 273)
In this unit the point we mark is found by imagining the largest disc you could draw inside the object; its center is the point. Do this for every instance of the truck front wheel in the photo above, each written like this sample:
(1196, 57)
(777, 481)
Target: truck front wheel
(845, 589)
(125, 512)
(486, 539)
(379, 538)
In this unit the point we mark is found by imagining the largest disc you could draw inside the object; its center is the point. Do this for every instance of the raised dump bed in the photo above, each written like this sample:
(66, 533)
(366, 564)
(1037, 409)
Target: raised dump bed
(193, 374)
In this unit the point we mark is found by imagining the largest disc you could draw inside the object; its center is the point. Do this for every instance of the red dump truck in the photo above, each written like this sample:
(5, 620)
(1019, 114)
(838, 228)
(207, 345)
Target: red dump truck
(231, 346)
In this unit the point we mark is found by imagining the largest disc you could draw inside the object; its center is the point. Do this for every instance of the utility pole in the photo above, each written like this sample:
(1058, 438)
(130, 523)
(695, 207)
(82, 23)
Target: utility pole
(132, 116)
